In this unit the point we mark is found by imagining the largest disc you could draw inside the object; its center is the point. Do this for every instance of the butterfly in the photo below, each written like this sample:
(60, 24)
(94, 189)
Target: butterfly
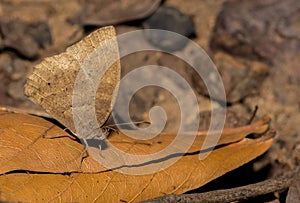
(52, 82)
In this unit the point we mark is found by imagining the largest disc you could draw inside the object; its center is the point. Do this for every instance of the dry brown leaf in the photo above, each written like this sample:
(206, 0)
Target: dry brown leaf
(110, 186)
(32, 111)
(30, 143)
(159, 142)
(35, 144)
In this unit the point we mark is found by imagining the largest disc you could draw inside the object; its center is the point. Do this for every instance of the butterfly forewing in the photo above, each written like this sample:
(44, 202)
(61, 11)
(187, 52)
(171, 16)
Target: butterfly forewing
(52, 82)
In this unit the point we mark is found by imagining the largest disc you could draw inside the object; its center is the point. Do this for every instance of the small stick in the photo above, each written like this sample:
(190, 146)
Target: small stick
(253, 115)
(230, 195)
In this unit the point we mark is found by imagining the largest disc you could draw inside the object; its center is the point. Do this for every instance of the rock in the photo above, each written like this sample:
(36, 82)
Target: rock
(106, 12)
(241, 77)
(41, 33)
(6, 69)
(171, 19)
(258, 29)
(15, 89)
(19, 70)
(24, 37)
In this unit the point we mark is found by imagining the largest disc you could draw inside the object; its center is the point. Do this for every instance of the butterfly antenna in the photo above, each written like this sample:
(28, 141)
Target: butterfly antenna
(136, 122)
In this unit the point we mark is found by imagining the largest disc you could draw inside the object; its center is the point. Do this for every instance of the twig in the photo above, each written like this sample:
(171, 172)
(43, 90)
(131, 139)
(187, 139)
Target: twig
(228, 195)
(253, 115)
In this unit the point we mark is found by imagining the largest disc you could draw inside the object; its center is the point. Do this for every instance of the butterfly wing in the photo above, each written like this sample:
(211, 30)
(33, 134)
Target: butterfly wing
(51, 85)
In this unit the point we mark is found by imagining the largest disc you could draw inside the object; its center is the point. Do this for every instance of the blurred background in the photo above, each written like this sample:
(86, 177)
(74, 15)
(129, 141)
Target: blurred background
(255, 46)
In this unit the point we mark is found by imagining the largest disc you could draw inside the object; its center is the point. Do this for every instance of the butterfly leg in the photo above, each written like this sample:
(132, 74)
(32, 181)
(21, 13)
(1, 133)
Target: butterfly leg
(85, 144)
(100, 148)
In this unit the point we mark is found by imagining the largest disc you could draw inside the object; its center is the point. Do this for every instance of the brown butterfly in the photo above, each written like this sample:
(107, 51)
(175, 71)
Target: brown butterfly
(51, 83)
